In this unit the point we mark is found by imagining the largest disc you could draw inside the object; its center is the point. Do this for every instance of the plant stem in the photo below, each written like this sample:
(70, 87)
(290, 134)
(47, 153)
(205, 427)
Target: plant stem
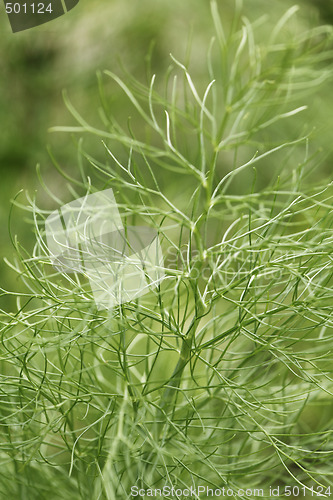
(170, 391)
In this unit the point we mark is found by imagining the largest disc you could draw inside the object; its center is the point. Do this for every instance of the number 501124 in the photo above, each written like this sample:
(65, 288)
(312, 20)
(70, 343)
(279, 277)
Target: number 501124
(28, 8)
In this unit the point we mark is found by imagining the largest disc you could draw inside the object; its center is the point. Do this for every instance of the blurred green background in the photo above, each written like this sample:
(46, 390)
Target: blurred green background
(36, 65)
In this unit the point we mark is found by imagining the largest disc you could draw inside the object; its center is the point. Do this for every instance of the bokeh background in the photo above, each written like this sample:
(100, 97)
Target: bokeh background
(38, 64)
(134, 36)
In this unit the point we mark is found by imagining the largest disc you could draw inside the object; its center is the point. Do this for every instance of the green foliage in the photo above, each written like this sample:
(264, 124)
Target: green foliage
(222, 375)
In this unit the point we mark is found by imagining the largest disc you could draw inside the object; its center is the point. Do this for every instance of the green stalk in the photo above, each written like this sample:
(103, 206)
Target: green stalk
(170, 392)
